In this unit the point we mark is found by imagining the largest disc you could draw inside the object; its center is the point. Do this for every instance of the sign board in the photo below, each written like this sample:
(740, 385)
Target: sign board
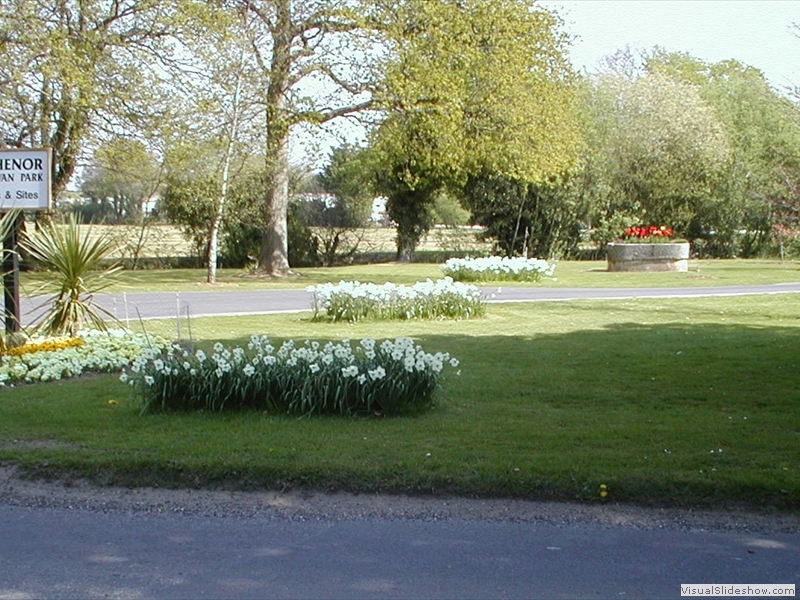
(25, 179)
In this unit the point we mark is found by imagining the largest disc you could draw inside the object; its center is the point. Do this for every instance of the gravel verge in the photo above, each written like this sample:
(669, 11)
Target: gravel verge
(304, 505)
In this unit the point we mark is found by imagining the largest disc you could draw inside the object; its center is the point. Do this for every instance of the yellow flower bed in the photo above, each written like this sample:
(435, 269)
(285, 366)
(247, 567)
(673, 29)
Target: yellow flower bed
(46, 346)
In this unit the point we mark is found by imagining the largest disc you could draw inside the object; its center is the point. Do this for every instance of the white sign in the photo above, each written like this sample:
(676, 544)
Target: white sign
(25, 179)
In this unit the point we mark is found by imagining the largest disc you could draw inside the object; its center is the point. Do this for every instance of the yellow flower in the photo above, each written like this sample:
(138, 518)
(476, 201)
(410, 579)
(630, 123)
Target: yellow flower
(603, 490)
(51, 345)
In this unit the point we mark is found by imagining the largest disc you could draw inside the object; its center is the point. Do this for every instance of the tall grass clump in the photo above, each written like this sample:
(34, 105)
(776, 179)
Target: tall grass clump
(354, 301)
(335, 378)
(497, 268)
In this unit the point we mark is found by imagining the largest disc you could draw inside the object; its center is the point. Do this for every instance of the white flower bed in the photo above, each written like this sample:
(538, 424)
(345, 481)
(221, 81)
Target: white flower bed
(353, 300)
(497, 268)
(103, 351)
(314, 378)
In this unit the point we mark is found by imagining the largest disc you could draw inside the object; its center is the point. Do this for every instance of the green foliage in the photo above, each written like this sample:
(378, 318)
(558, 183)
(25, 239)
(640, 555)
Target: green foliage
(447, 211)
(303, 245)
(478, 85)
(242, 240)
(240, 245)
(388, 378)
(187, 201)
(409, 202)
(526, 219)
(710, 149)
(349, 177)
(482, 84)
(326, 217)
(191, 193)
(122, 177)
(69, 66)
(760, 183)
(498, 203)
(657, 150)
(75, 259)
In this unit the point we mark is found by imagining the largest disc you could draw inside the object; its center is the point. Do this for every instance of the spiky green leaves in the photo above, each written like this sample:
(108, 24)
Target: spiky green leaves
(76, 258)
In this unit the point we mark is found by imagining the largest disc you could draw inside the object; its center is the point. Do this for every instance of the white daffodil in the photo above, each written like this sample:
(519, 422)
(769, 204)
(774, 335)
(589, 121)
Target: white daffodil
(350, 371)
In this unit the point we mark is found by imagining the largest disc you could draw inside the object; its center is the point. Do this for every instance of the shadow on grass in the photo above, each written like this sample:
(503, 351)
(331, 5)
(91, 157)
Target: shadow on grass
(665, 415)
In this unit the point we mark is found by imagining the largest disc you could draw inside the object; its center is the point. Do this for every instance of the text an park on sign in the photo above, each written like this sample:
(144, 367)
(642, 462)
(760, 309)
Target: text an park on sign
(25, 179)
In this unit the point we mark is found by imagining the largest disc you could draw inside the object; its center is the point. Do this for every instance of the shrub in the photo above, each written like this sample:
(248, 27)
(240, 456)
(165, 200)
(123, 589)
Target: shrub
(496, 268)
(242, 243)
(388, 378)
(353, 301)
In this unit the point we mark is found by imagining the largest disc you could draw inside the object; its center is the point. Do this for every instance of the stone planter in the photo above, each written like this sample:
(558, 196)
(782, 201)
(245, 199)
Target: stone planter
(671, 256)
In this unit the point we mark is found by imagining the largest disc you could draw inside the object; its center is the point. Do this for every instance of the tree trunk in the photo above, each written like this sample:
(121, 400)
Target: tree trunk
(410, 209)
(216, 224)
(405, 248)
(274, 257)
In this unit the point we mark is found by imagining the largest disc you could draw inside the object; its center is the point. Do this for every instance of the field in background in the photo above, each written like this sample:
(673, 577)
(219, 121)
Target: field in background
(153, 241)
(167, 241)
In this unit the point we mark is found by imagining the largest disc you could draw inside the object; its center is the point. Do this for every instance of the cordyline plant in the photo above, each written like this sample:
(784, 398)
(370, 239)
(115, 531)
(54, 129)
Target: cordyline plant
(76, 262)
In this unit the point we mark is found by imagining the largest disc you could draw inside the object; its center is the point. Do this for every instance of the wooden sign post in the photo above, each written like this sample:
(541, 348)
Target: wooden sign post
(24, 185)
(11, 276)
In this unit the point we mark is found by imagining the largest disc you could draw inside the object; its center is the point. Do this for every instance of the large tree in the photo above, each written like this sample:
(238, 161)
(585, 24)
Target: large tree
(476, 86)
(121, 177)
(315, 59)
(656, 151)
(68, 67)
(762, 175)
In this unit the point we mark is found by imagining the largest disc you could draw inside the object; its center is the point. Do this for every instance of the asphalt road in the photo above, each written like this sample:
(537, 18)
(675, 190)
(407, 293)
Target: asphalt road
(73, 553)
(154, 305)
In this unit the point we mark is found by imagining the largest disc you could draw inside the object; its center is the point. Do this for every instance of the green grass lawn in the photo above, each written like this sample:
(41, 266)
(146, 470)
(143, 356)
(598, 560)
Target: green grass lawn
(679, 402)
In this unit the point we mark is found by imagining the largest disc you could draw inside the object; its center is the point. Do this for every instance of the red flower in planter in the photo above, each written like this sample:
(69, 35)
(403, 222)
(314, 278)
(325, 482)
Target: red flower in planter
(653, 232)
